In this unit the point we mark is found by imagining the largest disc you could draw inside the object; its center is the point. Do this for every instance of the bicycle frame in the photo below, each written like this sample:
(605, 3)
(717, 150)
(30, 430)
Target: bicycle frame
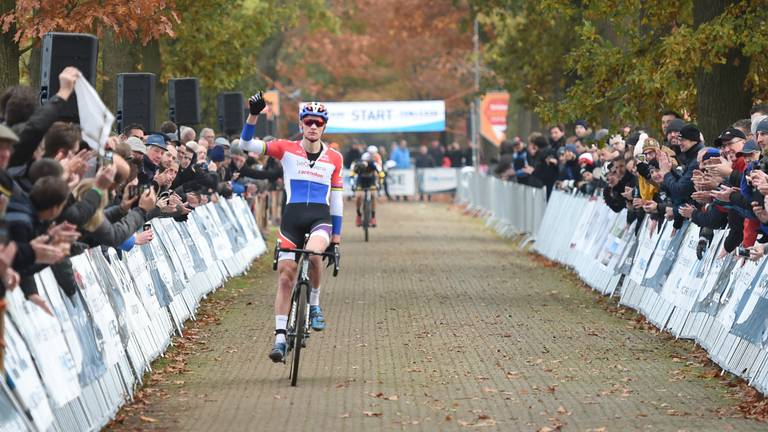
(297, 331)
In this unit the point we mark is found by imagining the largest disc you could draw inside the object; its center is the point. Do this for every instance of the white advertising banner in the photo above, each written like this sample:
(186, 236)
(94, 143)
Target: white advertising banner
(104, 319)
(48, 347)
(438, 179)
(383, 116)
(22, 373)
(401, 182)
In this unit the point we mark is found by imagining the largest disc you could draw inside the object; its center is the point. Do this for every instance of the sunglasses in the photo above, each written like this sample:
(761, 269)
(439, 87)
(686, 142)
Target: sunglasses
(310, 122)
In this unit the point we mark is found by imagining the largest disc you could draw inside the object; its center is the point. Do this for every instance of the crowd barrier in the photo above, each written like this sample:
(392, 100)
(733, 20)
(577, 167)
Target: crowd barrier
(510, 208)
(72, 372)
(721, 303)
(412, 181)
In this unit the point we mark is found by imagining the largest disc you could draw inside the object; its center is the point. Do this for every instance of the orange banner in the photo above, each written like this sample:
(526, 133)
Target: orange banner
(272, 98)
(493, 116)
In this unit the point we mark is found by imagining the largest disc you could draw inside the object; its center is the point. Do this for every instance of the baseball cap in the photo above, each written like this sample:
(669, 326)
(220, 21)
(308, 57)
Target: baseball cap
(136, 145)
(7, 134)
(710, 153)
(762, 126)
(365, 157)
(172, 137)
(157, 140)
(221, 141)
(372, 149)
(749, 147)
(586, 158)
(728, 135)
(193, 146)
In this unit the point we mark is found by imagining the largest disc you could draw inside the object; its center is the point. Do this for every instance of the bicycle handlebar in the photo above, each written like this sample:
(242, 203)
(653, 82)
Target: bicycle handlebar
(333, 255)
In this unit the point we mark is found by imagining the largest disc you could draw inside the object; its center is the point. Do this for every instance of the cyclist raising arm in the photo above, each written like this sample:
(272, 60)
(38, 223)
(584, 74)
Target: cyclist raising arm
(313, 185)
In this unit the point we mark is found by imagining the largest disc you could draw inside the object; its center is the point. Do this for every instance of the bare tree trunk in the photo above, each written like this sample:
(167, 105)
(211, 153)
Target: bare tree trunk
(9, 51)
(116, 57)
(151, 62)
(34, 65)
(722, 96)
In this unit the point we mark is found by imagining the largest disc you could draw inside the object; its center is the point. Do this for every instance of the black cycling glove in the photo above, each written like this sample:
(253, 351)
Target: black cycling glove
(256, 103)
(330, 249)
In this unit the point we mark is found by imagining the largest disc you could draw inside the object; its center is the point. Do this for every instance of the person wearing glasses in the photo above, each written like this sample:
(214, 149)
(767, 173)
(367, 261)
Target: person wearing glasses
(312, 172)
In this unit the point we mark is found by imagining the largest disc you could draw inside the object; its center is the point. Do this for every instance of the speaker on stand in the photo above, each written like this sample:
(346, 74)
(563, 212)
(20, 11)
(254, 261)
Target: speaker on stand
(136, 100)
(184, 101)
(229, 109)
(60, 50)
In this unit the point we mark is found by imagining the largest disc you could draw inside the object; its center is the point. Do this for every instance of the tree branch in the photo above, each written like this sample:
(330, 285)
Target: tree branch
(26, 48)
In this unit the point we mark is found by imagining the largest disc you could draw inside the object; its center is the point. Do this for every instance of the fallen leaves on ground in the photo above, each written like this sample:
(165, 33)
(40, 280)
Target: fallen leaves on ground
(372, 414)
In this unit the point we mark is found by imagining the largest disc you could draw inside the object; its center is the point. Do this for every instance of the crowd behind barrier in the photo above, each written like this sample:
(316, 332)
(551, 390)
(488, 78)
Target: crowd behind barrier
(413, 181)
(721, 302)
(510, 208)
(74, 370)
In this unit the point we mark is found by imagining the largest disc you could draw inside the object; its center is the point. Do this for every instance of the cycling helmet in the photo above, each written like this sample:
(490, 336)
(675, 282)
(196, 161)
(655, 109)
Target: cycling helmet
(372, 149)
(315, 109)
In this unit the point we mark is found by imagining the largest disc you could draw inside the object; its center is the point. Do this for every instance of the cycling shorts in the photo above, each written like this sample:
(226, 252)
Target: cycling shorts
(366, 182)
(300, 220)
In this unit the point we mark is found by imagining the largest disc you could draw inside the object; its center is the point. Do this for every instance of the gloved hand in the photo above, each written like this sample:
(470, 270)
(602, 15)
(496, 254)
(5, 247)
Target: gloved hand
(330, 249)
(256, 103)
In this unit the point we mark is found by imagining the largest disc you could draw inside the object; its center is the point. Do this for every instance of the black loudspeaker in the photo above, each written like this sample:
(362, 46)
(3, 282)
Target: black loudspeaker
(184, 101)
(59, 51)
(229, 110)
(135, 100)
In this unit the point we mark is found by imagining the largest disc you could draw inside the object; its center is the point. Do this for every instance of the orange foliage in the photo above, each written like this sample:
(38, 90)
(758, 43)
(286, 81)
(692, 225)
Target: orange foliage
(141, 20)
(385, 49)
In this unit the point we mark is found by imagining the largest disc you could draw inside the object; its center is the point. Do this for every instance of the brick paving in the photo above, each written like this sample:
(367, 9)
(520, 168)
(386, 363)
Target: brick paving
(438, 324)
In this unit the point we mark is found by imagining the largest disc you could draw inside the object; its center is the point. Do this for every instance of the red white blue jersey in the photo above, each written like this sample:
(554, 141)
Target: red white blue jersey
(307, 182)
(318, 182)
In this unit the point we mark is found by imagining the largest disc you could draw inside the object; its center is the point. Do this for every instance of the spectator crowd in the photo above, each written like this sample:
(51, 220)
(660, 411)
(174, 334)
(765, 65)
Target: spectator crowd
(676, 176)
(59, 197)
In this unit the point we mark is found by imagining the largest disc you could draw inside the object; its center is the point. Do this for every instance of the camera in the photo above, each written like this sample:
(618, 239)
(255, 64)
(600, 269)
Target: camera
(107, 158)
(147, 226)
(133, 191)
(742, 251)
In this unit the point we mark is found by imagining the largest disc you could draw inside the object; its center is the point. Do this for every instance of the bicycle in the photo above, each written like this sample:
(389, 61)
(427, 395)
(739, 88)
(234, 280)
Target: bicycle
(366, 211)
(297, 329)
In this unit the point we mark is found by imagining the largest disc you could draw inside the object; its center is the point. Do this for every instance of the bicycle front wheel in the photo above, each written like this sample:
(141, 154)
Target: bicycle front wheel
(366, 214)
(301, 329)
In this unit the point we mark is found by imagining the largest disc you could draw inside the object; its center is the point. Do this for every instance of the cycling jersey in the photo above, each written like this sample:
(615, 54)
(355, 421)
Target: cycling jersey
(307, 183)
(366, 173)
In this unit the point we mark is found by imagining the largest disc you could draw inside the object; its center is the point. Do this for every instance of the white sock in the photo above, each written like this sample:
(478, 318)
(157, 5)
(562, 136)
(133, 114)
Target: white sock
(281, 321)
(314, 297)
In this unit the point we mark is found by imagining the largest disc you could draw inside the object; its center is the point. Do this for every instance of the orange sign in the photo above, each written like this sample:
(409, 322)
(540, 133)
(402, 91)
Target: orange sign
(272, 98)
(493, 116)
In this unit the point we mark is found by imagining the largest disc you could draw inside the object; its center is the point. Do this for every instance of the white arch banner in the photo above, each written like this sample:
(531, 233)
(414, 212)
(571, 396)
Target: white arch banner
(384, 117)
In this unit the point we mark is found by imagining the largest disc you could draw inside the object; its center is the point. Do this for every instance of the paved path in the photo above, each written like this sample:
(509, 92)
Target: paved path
(438, 324)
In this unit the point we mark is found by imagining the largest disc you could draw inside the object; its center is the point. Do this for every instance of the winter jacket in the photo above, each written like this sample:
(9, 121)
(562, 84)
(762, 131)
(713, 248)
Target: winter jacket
(32, 131)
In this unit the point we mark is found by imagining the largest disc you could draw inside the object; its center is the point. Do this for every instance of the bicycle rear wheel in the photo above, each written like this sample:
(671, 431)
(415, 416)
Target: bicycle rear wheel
(301, 329)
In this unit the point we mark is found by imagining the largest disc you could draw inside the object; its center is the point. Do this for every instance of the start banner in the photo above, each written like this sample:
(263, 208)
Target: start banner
(385, 116)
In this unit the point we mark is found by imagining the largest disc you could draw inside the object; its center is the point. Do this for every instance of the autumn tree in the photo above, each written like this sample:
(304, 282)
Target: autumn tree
(24, 22)
(626, 60)
(384, 50)
(220, 41)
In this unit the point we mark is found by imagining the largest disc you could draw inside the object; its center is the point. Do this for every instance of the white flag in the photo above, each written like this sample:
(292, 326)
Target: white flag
(95, 118)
